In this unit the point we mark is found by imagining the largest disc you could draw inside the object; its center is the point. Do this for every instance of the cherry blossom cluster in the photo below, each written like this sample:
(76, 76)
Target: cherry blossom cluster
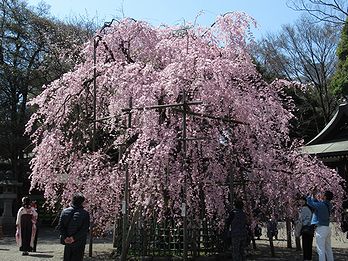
(237, 145)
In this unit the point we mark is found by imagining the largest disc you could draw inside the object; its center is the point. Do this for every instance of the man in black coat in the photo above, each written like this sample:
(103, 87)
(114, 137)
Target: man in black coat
(238, 231)
(74, 226)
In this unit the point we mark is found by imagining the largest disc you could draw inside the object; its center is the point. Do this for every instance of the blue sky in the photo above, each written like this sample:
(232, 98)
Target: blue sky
(269, 14)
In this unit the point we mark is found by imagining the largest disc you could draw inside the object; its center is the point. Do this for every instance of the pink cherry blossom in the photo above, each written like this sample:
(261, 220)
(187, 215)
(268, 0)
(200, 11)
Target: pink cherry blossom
(155, 66)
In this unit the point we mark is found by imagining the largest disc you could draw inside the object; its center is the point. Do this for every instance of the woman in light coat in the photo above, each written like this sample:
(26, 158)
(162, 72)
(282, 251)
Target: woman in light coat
(304, 219)
(26, 227)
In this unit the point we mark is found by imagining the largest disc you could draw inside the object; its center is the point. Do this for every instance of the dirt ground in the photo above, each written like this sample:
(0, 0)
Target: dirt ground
(339, 245)
(49, 248)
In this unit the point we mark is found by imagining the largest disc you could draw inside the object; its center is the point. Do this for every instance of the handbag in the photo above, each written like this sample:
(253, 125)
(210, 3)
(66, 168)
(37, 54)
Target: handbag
(307, 230)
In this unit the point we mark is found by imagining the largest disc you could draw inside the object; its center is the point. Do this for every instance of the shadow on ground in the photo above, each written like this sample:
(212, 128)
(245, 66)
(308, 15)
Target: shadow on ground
(41, 255)
(263, 253)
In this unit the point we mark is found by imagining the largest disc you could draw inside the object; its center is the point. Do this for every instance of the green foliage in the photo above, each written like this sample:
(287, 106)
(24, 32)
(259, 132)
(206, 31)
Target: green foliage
(340, 79)
(34, 50)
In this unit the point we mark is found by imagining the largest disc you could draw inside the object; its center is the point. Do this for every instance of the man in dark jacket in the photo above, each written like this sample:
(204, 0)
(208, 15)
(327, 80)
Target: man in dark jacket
(74, 226)
(238, 223)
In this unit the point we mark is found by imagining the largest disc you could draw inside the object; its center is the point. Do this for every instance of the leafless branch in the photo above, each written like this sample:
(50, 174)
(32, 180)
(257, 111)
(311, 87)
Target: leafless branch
(331, 11)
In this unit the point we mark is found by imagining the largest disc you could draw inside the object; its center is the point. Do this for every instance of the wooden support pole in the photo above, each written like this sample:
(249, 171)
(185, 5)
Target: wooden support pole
(271, 246)
(120, 152)
(125, 213)
(184, 109)
(94, 130)
(184, 152)
(288, 233)
(125, 202)
(162, 106)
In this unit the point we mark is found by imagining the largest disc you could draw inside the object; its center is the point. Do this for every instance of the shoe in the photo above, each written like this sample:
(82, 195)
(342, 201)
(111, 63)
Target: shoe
(25, 253)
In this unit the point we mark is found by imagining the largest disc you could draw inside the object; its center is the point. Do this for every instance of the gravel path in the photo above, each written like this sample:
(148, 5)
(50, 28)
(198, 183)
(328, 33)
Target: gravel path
(49, 248)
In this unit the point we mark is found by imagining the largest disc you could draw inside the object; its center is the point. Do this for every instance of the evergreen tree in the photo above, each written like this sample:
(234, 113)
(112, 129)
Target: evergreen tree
(340, 79)
(34, 49)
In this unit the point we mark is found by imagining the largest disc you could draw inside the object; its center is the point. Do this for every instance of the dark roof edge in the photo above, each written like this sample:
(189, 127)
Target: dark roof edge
(342, 110)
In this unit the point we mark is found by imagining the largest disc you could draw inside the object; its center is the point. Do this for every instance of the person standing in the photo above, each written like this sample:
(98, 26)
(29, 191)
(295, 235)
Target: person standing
(238, 223)
(26, 226)
(321, 219)
(272, 228)
(344, 217)
(74, 225)
(306, 229)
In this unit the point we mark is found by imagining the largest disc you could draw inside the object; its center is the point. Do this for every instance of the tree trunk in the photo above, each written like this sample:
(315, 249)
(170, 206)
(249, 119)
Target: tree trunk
(125, 246)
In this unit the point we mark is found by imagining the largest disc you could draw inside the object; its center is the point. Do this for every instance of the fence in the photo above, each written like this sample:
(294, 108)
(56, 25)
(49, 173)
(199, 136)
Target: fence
(152, 238)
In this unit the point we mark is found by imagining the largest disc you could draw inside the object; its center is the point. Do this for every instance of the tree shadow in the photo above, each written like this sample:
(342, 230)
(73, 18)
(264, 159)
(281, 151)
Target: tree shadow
(41, 255)
(340, 254)
(262, 253)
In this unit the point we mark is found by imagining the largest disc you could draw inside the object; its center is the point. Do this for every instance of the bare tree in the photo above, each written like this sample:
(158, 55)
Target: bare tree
(331, 11)
(304, 52)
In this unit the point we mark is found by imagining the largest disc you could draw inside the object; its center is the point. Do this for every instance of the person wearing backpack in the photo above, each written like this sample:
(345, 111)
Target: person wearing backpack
(74, 225)
(238, 231)
(305, 228)
(321, 219)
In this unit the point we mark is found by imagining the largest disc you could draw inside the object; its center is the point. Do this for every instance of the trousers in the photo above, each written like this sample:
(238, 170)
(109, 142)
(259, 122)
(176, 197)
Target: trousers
(238, 248)
(307, 242)
(323, 239)
(74, 253)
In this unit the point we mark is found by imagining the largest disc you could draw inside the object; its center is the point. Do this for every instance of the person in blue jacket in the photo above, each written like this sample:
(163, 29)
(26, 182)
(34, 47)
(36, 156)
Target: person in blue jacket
(321, 219)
